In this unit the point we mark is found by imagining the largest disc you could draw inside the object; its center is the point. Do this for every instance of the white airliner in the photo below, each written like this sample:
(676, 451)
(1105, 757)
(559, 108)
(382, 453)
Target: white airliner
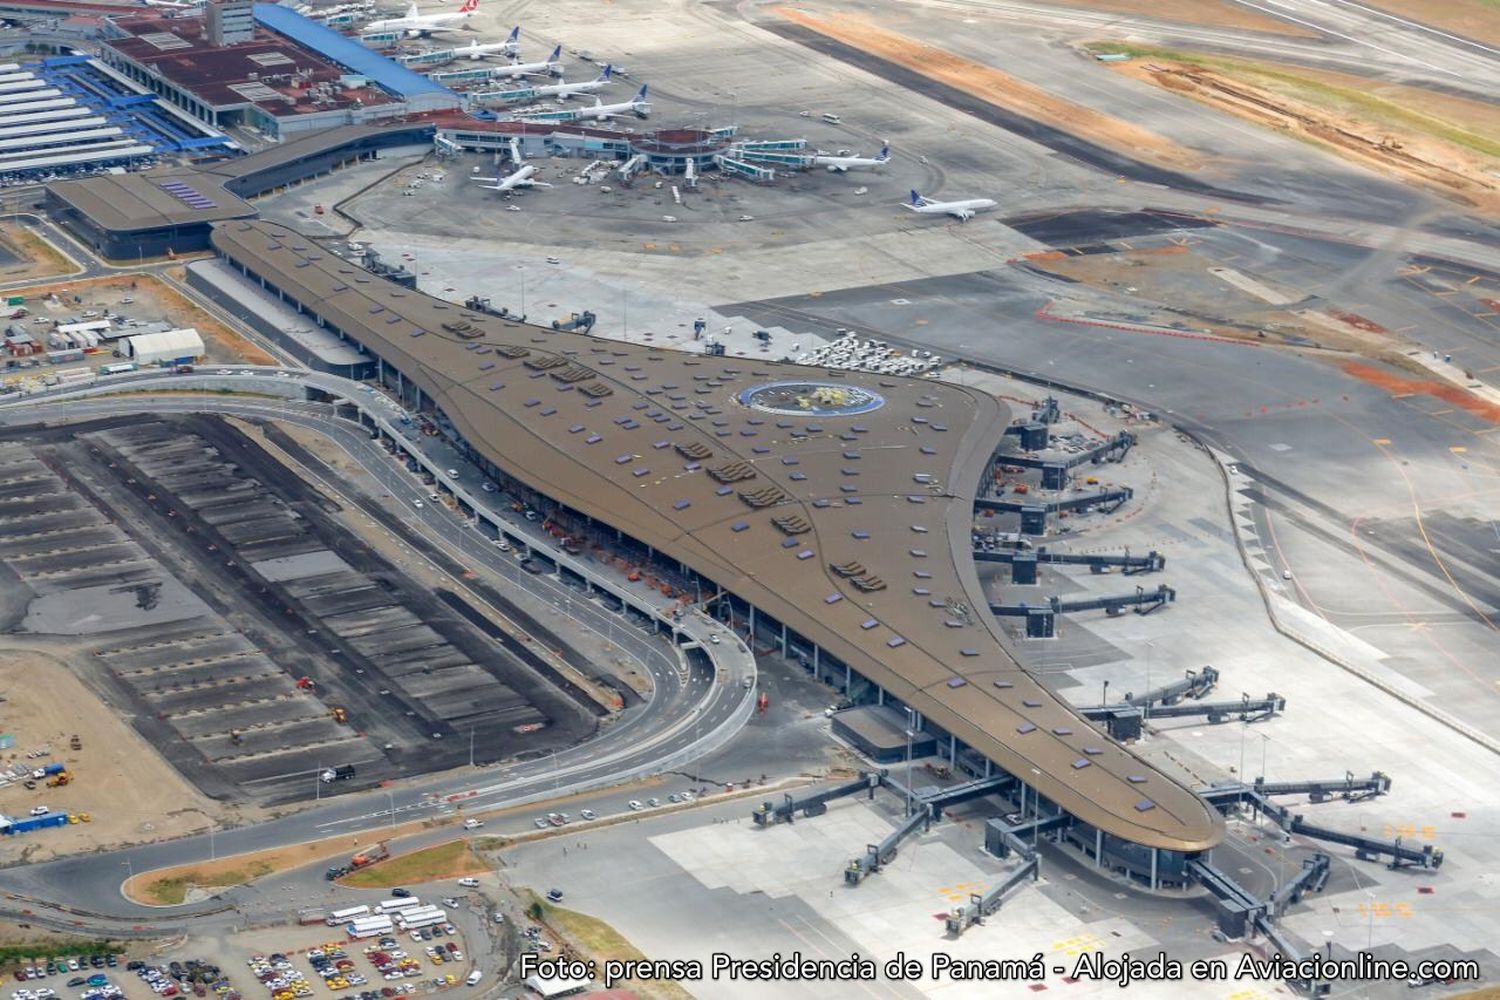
(843, 164)
(520, 178)
(414, 23)
(963, 211)
(565, 90)
(601, 111)
(552, 65)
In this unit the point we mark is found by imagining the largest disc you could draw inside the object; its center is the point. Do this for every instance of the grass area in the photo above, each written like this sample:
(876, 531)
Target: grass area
(1318, 93)
(491, 843)
(57, 947)
(451, 860)
(172, 889)
(599, 941)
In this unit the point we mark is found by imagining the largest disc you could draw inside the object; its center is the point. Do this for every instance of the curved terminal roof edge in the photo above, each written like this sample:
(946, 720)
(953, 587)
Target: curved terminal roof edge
(853, 530)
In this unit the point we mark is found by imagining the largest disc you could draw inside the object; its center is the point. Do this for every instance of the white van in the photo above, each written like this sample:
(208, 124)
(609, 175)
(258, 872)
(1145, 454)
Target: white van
(474, 978)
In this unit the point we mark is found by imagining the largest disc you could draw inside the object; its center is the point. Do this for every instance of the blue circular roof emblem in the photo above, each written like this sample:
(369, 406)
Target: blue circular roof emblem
(798, 398)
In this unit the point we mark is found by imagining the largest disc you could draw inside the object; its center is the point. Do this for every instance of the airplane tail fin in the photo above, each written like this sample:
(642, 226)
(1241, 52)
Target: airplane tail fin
(468, 7)
(604, 76)
(916, 199)
(556, 53)
(412, 11)
(640, 97)
(515, 33)
(885, 152)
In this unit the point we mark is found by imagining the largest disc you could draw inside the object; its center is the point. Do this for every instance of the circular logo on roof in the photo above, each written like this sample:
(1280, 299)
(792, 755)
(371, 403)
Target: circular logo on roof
(811, 399)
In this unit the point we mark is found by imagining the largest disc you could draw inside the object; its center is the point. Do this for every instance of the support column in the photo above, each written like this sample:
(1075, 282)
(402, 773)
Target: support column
(848, 678)
(987, 766)
(953, 750)
(817, 662)
(752, 628)
(783, 641)
(1098, 848)
(1153, 869)
(879, 695)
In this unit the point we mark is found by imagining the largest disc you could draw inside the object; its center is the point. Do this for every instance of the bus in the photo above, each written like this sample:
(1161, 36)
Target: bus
(430, 920)
(348, 915)
(357, 931)
(832, 119)
(397, 905)
(409, 917)
(119, 369)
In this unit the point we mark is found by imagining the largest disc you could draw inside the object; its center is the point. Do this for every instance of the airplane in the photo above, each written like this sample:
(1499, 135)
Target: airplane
(600, 110)
(963, 211)
(520, 178)
(552, 65)
(564, 90)
(843, 164)
(413, 23)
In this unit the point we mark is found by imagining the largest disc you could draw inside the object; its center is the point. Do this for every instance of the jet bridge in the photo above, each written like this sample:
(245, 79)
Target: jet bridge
(1247, 709)
(1034, 512)
(879, 855)
(955, 794)
(987, 903)
(1145, 602)
(748, 170)
(1350, 788)
(1023, 564)
(1224, 797)
(816, 804)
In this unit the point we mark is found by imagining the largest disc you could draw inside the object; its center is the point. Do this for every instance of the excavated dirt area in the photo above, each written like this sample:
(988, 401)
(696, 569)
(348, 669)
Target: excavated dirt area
(1001, 89)
(1459, 174)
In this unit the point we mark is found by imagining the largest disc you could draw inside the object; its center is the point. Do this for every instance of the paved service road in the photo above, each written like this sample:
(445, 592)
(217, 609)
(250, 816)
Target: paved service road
(687, 715)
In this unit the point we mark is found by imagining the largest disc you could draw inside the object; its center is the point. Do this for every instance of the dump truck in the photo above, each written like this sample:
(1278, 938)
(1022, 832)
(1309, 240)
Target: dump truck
(59, 779)
(341, 773)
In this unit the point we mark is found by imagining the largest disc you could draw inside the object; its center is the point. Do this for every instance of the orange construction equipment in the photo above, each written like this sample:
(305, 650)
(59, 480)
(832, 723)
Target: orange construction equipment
(339, 715)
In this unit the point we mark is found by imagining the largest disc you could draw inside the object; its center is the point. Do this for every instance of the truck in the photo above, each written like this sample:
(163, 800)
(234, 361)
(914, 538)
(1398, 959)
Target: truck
(48, 769)
(341, 773)
(365, 858)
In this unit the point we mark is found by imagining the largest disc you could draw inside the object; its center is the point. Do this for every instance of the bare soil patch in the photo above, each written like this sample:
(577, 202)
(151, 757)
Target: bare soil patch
(1000, 89)
(152, 300)
(38, 258)
(131, 793)
(1444, 144)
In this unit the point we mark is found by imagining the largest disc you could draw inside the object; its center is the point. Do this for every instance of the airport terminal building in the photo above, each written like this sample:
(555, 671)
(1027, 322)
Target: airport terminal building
(826, 513)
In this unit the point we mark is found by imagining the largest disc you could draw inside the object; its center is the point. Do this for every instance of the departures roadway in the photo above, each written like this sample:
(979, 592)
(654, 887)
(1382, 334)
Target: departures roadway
(686, 716)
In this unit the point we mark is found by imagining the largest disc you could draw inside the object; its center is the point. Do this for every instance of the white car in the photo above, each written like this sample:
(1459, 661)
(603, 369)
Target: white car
(417, 503)
(452, 473)
(469, 883)
(472, 824)
(39, 810)
(225, 371)
(587, 813)
(434, 498)
(635, 804)
(714, 638)
(554, 260)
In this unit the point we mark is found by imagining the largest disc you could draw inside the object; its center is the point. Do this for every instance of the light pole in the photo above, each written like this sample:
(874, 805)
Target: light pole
(1104, 693)
(471, 746)
(911, 725)
(391, 801)
(1147, 710)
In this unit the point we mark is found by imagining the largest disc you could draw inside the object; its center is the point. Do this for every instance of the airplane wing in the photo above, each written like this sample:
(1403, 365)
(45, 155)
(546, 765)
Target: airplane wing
(962, 214)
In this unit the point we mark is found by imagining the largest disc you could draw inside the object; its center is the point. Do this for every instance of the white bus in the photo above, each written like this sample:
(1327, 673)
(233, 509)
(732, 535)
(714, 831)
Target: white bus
(344, 916)
(397, 905)
(832, 119)
(356, 932)
(372, 923)
(406, 919)
(429, 920)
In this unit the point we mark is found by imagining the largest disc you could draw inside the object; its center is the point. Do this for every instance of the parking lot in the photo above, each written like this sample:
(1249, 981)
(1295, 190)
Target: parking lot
(296, 648)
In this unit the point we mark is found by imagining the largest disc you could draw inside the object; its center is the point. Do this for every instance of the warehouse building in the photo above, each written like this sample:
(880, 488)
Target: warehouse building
(169, 347)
